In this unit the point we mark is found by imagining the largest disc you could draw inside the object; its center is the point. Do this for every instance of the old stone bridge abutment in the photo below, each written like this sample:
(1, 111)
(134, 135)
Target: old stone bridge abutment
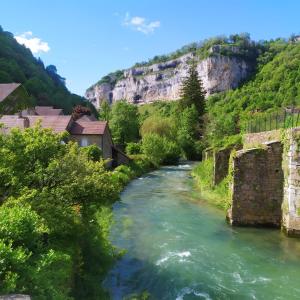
(265, 184)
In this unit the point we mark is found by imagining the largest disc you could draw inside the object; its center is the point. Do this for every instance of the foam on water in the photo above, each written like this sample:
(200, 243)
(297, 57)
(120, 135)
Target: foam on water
(189, 291)
(169, 255)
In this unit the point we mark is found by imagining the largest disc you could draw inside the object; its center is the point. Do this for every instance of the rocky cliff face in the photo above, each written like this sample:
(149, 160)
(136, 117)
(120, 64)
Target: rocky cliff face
(163, 81)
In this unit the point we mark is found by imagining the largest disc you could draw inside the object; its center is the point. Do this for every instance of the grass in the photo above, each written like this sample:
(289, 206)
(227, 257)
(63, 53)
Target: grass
(218, 195)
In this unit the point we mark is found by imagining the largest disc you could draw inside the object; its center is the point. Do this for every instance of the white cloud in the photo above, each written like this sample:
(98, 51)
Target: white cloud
(140, 24)
(35, 44)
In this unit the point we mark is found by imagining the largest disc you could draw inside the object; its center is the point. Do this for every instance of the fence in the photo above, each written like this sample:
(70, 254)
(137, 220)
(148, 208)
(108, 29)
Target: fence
(271, 121)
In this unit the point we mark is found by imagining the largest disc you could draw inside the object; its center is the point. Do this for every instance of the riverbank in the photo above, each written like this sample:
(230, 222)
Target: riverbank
(218, 195)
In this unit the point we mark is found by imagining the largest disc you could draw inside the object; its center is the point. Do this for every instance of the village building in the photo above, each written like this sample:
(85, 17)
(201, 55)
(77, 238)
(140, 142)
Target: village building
(13, 97)
(85, 130)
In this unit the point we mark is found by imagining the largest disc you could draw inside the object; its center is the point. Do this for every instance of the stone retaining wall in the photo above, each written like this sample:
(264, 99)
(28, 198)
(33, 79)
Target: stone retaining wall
(257, 189)
(221, 164)
(291, 166)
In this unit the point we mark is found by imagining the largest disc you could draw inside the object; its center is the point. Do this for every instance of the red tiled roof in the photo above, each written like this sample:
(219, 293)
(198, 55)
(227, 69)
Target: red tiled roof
(12, 122)
(88, 127)
(57, 123)
(6, 89)
(47, 111)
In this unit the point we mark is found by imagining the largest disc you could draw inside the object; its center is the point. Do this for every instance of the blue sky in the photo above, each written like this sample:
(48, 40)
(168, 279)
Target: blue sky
(88, 39)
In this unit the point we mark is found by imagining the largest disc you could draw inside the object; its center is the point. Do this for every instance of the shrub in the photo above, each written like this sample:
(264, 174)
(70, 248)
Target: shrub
(133, 148)
(93, 152)
(160, 150)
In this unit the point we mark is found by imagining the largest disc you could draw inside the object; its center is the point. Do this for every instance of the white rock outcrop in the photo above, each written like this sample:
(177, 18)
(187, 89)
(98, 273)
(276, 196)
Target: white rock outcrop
(163, 81)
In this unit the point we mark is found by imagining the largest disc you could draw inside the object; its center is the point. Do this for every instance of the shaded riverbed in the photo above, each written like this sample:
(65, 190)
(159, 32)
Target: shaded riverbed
(182, 249)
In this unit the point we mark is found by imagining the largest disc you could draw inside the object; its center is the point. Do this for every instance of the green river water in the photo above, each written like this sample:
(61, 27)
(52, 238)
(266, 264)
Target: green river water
(179, 248)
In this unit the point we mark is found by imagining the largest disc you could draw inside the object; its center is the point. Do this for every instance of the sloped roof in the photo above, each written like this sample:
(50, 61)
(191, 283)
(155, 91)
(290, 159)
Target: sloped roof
(6, 89)
(12, 122)
(57, 123)
(88, 127)
(48, 111)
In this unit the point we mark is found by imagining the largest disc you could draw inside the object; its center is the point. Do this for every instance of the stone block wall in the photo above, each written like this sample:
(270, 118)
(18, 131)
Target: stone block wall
(257, 189)
(221, 164)
(291, 166)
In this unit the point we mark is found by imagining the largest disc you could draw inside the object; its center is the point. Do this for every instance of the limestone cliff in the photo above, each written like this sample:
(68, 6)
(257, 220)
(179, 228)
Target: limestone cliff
(162, 81)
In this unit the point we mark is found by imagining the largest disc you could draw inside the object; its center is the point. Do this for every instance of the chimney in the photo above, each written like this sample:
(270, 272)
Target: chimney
(24, 119)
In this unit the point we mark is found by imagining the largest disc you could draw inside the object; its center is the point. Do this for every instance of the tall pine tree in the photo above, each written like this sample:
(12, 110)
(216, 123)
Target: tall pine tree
(192, 91)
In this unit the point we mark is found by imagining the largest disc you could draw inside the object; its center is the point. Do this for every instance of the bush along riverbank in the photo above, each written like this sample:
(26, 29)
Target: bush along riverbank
(217, 194)
(55, 215)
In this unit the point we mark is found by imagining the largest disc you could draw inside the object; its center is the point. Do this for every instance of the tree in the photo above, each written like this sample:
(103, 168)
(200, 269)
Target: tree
(188, 131)
(124, 123)
(192, 92)
(159, 125)
(79, 111)
(160, 150)
(51, 195)
(105, 111)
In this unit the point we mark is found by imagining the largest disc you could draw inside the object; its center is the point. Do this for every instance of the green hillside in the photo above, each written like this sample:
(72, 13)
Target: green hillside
(276, 84)
(17, 64)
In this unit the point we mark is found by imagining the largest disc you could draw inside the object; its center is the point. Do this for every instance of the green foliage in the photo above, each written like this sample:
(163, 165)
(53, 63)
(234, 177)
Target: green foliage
(21, 225)
(164, 119)
(188, 131)
(162, 126)
(111, 79)
(53, 240)
(204, 173)
(275, 85)
(141, 164)
(16, 101)
(17, 64)
(192, 92)
(133, 148)
(124, 123)
(105, 111)
(93, 152)
(160, 149)
(248, 49)
(219, 194)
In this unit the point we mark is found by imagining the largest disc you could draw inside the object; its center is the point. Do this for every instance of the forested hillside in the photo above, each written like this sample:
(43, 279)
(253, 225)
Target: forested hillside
(276, 84)
(44, 84)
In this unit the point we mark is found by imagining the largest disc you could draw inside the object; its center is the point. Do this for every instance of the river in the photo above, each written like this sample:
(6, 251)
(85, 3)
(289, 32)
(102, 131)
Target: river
(180, 247)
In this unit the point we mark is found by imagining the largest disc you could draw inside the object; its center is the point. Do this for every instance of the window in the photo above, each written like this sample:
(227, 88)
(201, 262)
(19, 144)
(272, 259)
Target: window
(84, 142)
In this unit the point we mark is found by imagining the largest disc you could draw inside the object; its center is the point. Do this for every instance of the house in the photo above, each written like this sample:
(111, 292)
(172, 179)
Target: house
(92, 132)
(13, 97)
(85, 130)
